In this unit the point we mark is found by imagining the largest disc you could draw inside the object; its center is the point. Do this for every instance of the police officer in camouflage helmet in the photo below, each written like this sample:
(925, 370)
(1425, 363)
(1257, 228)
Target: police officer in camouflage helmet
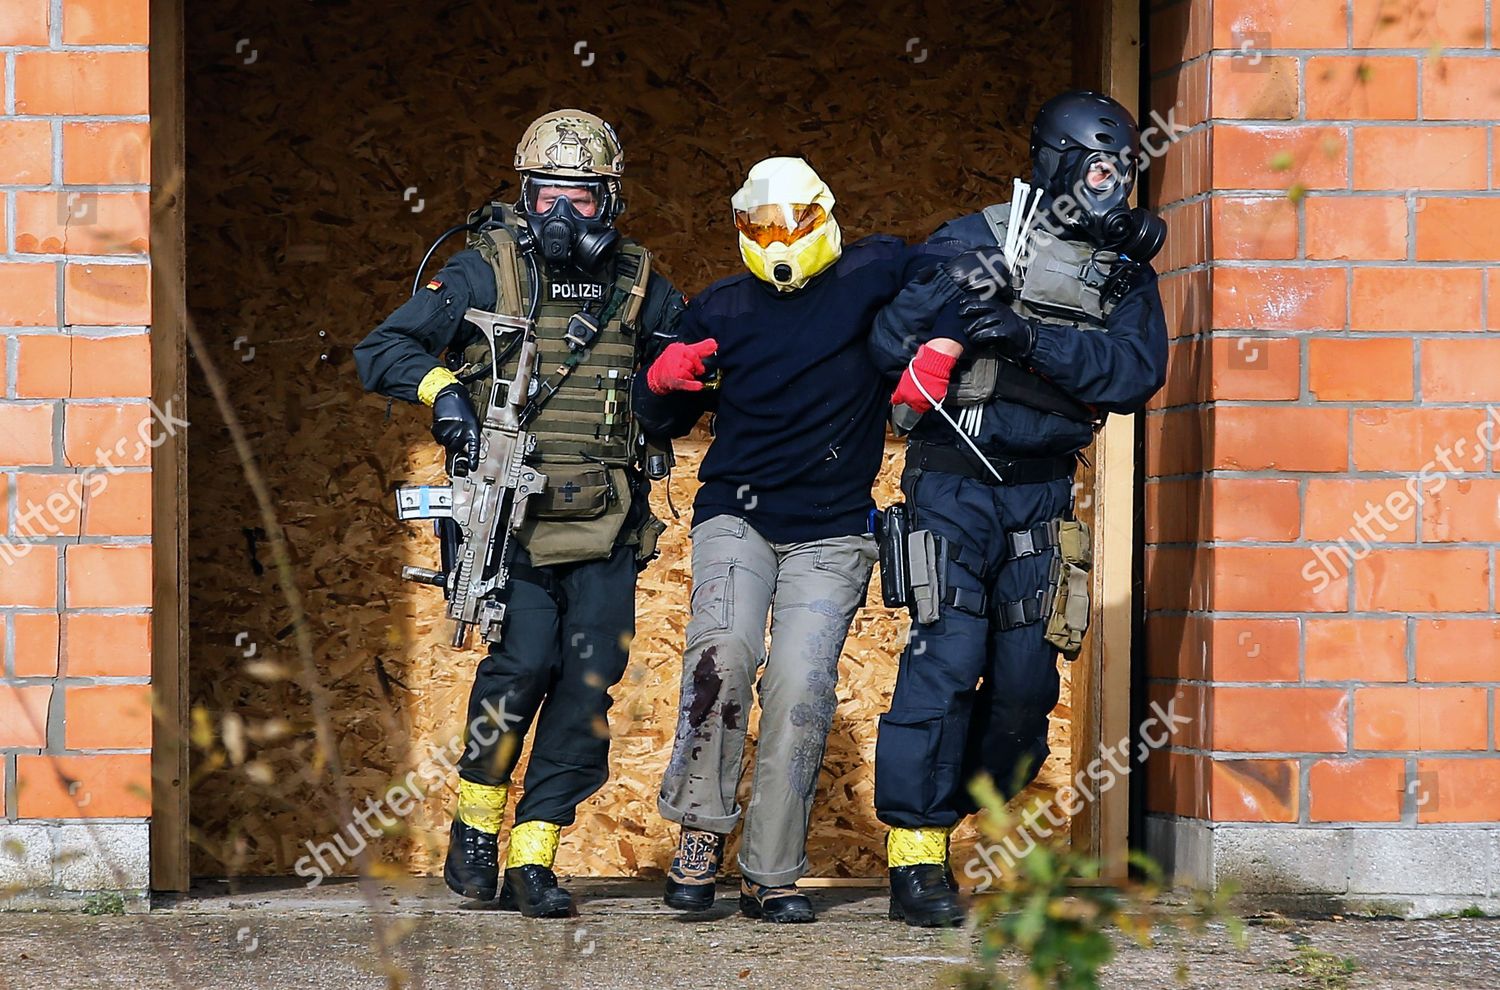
(1045, 319)
(600, 311)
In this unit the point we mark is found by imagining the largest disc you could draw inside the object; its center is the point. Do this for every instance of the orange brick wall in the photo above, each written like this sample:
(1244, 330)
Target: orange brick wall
(75, 580)
(1333, 215)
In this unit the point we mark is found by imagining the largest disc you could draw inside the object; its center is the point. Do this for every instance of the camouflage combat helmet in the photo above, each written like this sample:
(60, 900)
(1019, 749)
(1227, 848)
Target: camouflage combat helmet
(572, 144)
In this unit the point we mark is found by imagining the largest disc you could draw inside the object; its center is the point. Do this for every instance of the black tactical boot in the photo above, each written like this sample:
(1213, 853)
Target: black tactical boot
(533, 891)
(782, 905)
(473, 862)
(925, 896)
(690, 881)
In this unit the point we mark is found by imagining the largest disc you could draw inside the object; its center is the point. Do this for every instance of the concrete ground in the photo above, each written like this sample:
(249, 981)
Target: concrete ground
(287, 937)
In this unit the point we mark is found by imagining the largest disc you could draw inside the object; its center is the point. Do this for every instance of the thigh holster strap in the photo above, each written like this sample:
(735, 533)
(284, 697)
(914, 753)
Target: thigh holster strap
(1029, 542)
(1011, 615)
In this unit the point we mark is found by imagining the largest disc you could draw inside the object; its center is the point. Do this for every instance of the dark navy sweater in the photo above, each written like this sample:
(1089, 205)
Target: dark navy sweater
(800, 413)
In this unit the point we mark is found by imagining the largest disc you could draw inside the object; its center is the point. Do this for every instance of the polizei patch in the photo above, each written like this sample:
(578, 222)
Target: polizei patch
(575, 291)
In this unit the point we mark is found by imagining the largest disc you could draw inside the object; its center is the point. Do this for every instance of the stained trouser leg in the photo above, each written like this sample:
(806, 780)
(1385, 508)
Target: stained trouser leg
(509, 684)
(570, 754)
(819, 587)
(734, 570)
(1021, 685)
(919, 773)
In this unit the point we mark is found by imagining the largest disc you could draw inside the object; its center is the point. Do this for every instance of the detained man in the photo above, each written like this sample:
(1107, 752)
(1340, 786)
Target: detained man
(781, 524)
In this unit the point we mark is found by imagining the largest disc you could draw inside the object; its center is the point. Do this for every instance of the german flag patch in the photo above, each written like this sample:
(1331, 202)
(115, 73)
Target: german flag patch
(435, 284)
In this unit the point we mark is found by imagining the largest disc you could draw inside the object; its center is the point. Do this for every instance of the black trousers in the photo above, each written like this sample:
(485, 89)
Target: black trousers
(567, 639)
(970, 697)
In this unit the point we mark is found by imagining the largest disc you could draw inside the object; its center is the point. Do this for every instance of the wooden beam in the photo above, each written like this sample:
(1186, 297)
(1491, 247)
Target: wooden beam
(169, 751)
(1108, 54)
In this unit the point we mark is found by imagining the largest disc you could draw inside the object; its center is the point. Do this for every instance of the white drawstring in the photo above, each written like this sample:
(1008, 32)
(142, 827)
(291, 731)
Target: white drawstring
(911, 370)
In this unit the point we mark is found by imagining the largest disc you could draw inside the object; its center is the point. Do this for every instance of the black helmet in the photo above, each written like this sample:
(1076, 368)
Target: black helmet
(1084, 153)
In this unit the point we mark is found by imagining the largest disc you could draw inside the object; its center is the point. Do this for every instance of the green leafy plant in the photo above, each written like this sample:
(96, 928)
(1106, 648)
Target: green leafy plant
(1320, 970)
(104, 902)
(1054, 910)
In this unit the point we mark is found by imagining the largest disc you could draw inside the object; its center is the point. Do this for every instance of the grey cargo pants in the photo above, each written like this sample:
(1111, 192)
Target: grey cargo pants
(810, 592)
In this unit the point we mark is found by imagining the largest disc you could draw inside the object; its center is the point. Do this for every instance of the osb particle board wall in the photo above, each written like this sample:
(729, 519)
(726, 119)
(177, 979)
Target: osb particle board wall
(328, 142)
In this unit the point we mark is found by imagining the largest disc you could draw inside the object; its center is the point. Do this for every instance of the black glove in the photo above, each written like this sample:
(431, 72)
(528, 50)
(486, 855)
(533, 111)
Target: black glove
(455, 426)
(994, 324)
(982, 273)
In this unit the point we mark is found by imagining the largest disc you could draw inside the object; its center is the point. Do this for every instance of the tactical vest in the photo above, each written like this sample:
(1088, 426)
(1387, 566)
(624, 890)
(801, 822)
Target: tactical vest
(1064, 282)
(585, 433)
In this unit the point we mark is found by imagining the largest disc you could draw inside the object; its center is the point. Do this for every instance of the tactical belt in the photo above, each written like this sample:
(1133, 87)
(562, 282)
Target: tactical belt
(1025, 471)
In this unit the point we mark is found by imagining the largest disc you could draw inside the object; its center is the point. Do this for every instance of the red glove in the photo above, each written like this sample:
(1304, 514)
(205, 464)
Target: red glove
(677, 368)
(932, 368)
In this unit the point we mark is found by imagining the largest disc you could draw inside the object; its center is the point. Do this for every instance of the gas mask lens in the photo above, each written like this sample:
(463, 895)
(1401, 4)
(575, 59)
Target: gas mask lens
(1103, 176)
(583, 197)
(780, 223)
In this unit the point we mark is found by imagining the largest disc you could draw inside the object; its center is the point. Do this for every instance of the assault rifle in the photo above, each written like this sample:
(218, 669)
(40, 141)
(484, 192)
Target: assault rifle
(485, 503)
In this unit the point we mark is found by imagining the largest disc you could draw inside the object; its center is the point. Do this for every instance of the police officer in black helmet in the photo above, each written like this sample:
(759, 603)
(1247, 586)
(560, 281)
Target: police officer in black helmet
(1045, 319)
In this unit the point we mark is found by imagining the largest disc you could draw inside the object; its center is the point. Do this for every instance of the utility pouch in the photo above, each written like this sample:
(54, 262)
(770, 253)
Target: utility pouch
(1069, 587)
(895, 588)
(586, 528)
(574, 491)
(925, 570)
(975, 384)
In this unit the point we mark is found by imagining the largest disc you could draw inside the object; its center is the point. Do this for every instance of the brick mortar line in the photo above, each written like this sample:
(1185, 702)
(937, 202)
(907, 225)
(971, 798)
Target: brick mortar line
(101, 188)
(1342, 684)
(1478, 755)
(76, 47)
(14, 610)
(74, 753)
(82, 118)
(91, 331)
(1227, 614)
(10, 787)
(10, 84)
(87, 540)
(53, 471)
(1389, 825)
(8, 642)
(78, 680)
(1307, 543)
(55, 22)
(1351, 264)
(1351, 123)
(137, 260)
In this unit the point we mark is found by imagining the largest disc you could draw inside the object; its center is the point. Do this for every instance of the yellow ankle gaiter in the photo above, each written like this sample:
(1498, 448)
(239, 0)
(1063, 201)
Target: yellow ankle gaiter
(911, 846)
(481, 806)
(532, 844)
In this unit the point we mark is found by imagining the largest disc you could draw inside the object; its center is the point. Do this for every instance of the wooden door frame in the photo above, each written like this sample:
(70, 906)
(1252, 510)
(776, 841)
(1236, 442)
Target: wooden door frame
(169, 525)
(1107, 57)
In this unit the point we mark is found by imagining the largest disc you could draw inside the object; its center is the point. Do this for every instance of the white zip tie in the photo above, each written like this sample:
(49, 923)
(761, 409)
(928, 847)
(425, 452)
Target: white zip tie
(1012, 246)
(956, 428)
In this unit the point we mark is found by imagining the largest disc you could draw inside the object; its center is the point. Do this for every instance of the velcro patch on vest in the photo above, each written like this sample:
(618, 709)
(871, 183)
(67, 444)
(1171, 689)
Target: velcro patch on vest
(580, 291)
(434, 285)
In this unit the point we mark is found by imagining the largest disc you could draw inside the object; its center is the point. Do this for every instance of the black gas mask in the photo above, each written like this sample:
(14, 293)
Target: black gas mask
(1084, 150)
(564, 235)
